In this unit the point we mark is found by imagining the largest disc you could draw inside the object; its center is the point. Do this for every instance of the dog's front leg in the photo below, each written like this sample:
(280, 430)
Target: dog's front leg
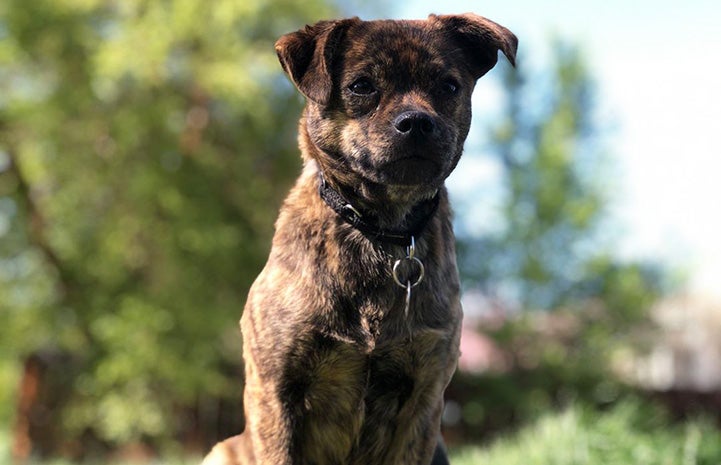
(268, 421)
(304, 399)
(426, 431)
(269, 431)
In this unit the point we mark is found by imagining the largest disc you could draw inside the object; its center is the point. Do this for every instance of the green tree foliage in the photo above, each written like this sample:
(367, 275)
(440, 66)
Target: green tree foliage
(144, 149)
(553, 247)
(572, 306)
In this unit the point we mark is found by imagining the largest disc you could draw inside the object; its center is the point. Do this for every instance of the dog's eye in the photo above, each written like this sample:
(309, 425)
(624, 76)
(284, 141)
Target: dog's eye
(450, 86)
(362, 87)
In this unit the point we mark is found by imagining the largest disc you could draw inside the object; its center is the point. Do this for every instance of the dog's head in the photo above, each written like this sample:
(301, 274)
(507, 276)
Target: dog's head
(389, 102)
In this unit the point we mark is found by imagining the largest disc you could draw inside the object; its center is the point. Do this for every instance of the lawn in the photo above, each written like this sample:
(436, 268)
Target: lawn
(627, 435)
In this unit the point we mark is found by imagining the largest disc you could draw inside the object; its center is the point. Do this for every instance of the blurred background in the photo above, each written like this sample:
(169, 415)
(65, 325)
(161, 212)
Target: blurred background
(145, 147)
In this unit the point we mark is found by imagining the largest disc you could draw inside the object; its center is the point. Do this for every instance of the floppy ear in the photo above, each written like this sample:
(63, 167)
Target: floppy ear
(307, 57)
(480, 40)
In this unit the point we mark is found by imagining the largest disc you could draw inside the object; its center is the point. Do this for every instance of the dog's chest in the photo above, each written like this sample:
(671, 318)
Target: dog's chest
(358, 405)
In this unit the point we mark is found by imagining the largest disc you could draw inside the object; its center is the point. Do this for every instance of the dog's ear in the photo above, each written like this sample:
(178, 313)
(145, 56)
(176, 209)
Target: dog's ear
(307, 56)
(480, 40)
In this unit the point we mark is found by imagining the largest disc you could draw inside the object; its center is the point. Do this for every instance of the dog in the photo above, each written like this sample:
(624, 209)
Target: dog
(351, 331)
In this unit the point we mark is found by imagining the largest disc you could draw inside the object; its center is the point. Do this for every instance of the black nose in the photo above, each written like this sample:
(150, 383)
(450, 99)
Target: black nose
(414, 122)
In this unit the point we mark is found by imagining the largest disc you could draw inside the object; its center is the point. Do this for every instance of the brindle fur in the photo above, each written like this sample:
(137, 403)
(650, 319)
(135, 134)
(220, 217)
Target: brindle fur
(335, 372)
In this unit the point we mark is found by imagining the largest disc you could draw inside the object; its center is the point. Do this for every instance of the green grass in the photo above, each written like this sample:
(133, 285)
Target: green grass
(630, 434)
(627, 435)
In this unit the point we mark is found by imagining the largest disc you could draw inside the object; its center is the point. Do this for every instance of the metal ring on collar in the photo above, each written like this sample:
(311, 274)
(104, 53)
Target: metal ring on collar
(413, 260)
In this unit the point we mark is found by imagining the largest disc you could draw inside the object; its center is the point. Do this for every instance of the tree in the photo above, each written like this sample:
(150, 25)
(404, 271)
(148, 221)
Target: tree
(144, 148)
(573, 304)
(553, 246)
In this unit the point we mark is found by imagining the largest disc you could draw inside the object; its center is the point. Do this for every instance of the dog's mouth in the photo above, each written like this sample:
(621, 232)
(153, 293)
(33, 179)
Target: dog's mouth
(413, 169)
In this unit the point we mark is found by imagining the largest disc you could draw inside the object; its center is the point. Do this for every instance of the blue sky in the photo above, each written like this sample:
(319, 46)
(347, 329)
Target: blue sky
(658, 69)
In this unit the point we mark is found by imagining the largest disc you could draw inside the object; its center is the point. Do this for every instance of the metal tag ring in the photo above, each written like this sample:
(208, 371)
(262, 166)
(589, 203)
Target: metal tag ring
(421, 273)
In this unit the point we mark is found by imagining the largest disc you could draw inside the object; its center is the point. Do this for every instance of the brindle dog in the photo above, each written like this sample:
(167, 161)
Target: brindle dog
(351, 332)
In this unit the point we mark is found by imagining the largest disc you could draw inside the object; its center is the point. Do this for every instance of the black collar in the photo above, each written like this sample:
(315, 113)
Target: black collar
(366, 223)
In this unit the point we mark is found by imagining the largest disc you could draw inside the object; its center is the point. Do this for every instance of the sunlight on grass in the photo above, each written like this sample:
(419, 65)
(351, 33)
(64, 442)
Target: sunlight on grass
(626, 435)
